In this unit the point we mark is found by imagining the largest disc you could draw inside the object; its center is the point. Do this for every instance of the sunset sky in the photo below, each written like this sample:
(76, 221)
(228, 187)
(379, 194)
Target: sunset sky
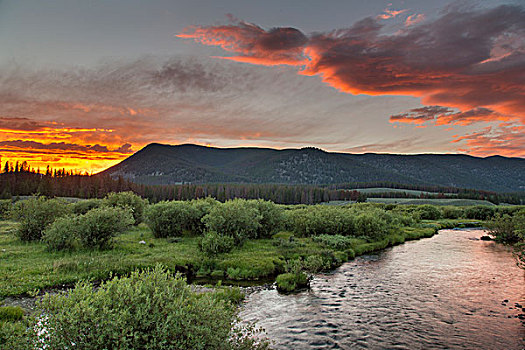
(84, 84)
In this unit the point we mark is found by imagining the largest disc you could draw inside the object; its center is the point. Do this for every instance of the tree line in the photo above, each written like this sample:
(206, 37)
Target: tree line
(20, 179)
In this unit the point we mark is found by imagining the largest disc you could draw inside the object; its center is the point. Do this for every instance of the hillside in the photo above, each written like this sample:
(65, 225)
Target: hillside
(166, 164)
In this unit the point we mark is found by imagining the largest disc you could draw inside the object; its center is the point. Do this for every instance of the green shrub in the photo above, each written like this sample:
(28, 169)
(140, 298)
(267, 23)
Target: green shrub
(97, 228)
(35, 214)
(316, 263)
(480, 212)
(62, 234)
(319, 220)
(452, 212)
(128, 200)
(290, 282)
(13, 336)
(5, 208)
(369, 224)
(83, 206)
(11, 313)
(272, 218)
(201, 208)
(235, 218)
(148, 310)
(170, 218)
(336, 242)
(429, 212)
(213, 244)
(508, 229)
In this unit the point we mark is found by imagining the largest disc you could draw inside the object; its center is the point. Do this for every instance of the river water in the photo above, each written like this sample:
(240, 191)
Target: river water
(444, 292)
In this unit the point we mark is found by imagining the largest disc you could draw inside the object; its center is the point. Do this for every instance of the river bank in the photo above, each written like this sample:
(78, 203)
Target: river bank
(30, 270)
(449, 291)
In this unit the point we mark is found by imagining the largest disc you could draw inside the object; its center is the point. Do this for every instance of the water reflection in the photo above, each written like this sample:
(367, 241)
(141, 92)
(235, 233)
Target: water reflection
(443, 292)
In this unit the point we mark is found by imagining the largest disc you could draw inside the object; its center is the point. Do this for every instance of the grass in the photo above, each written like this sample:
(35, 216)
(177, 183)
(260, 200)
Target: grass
(28, 267)
(396, 190)
(436, 201)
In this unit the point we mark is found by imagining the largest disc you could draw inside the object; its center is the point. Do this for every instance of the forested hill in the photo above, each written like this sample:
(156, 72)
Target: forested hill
(166, 164)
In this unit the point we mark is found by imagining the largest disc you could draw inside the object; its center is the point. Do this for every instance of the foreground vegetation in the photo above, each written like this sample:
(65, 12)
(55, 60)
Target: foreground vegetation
(47, 243)
(53, 244)
(147, 310)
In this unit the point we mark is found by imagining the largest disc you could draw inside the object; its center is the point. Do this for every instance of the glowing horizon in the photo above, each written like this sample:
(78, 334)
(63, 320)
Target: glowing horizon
(383, 79)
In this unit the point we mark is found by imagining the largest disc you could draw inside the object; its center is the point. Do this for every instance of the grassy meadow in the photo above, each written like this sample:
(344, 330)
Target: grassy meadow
(128, 248)
(304, 239)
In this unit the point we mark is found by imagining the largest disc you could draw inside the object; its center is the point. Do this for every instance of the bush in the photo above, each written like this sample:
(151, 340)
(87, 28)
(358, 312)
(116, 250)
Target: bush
(272, 218)
(13, 336)
(128, 200)
(83, 206)
(201, 208)
(290, 282)
(213, 244)
(11, 313)
(169, 219)
(480, 212)
(62, 234)
(5, 208)
(429, 212)
(508, 229)
(35, 214)
(148, 310)
(97, 228)
(235, 218)
(370, 225)
(452, 212)
(336, 242)
(319, 220)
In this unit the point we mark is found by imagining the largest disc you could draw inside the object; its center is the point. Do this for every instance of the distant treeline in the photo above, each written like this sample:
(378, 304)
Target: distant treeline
(22, 181)
(437, 192)
(64, 184)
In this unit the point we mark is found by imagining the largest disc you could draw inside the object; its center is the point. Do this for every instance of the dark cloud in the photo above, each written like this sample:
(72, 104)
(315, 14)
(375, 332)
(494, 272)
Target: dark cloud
(16, 145)
(274, 46)
(467, 58)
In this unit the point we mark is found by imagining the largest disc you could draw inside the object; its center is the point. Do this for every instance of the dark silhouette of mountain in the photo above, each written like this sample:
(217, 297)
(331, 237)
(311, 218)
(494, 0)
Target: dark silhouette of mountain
(166, 164)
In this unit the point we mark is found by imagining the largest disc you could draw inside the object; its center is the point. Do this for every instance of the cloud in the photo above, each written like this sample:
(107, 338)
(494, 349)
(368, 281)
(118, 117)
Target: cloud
(154, 99)
(61, 146)
(414, 19)
(504, 140)
(267, 47)
(390, 13)
(470, 61)
(439, 115)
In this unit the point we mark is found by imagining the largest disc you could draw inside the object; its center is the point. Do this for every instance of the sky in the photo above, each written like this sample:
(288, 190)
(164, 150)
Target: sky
(85, 84)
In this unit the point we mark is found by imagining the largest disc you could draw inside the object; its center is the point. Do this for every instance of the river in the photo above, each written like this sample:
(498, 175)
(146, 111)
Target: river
(451, 291)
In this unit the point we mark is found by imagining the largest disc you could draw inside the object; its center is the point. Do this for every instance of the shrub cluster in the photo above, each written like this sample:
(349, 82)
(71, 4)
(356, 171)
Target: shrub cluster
(93, 230)
(128, 200)
(5, 208)
(35, 214)
(213, 244)
(358, 221)
(83, 206)
(508, 228)
(148, 310)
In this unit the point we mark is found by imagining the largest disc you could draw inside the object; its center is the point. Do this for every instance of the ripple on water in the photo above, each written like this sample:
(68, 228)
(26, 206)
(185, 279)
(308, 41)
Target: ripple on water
(442, 292)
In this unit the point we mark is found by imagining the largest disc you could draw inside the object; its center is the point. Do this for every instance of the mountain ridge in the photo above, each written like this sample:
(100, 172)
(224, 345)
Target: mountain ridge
(159, 163)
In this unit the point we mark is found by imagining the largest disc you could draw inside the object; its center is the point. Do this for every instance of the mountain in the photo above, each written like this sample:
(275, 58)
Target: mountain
(166, 164)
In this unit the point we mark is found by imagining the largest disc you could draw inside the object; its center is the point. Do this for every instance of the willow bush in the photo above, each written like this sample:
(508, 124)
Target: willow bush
(147, 310)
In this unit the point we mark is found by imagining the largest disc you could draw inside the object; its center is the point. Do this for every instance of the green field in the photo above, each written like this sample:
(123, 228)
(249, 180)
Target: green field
(29, 267)
(440, 201)
(396, 190)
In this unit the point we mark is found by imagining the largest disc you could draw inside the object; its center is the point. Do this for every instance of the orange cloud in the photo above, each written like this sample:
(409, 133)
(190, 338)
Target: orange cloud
(470, 61)
(273, 47)
(390, 13)
(506, 141)
(414, 19)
